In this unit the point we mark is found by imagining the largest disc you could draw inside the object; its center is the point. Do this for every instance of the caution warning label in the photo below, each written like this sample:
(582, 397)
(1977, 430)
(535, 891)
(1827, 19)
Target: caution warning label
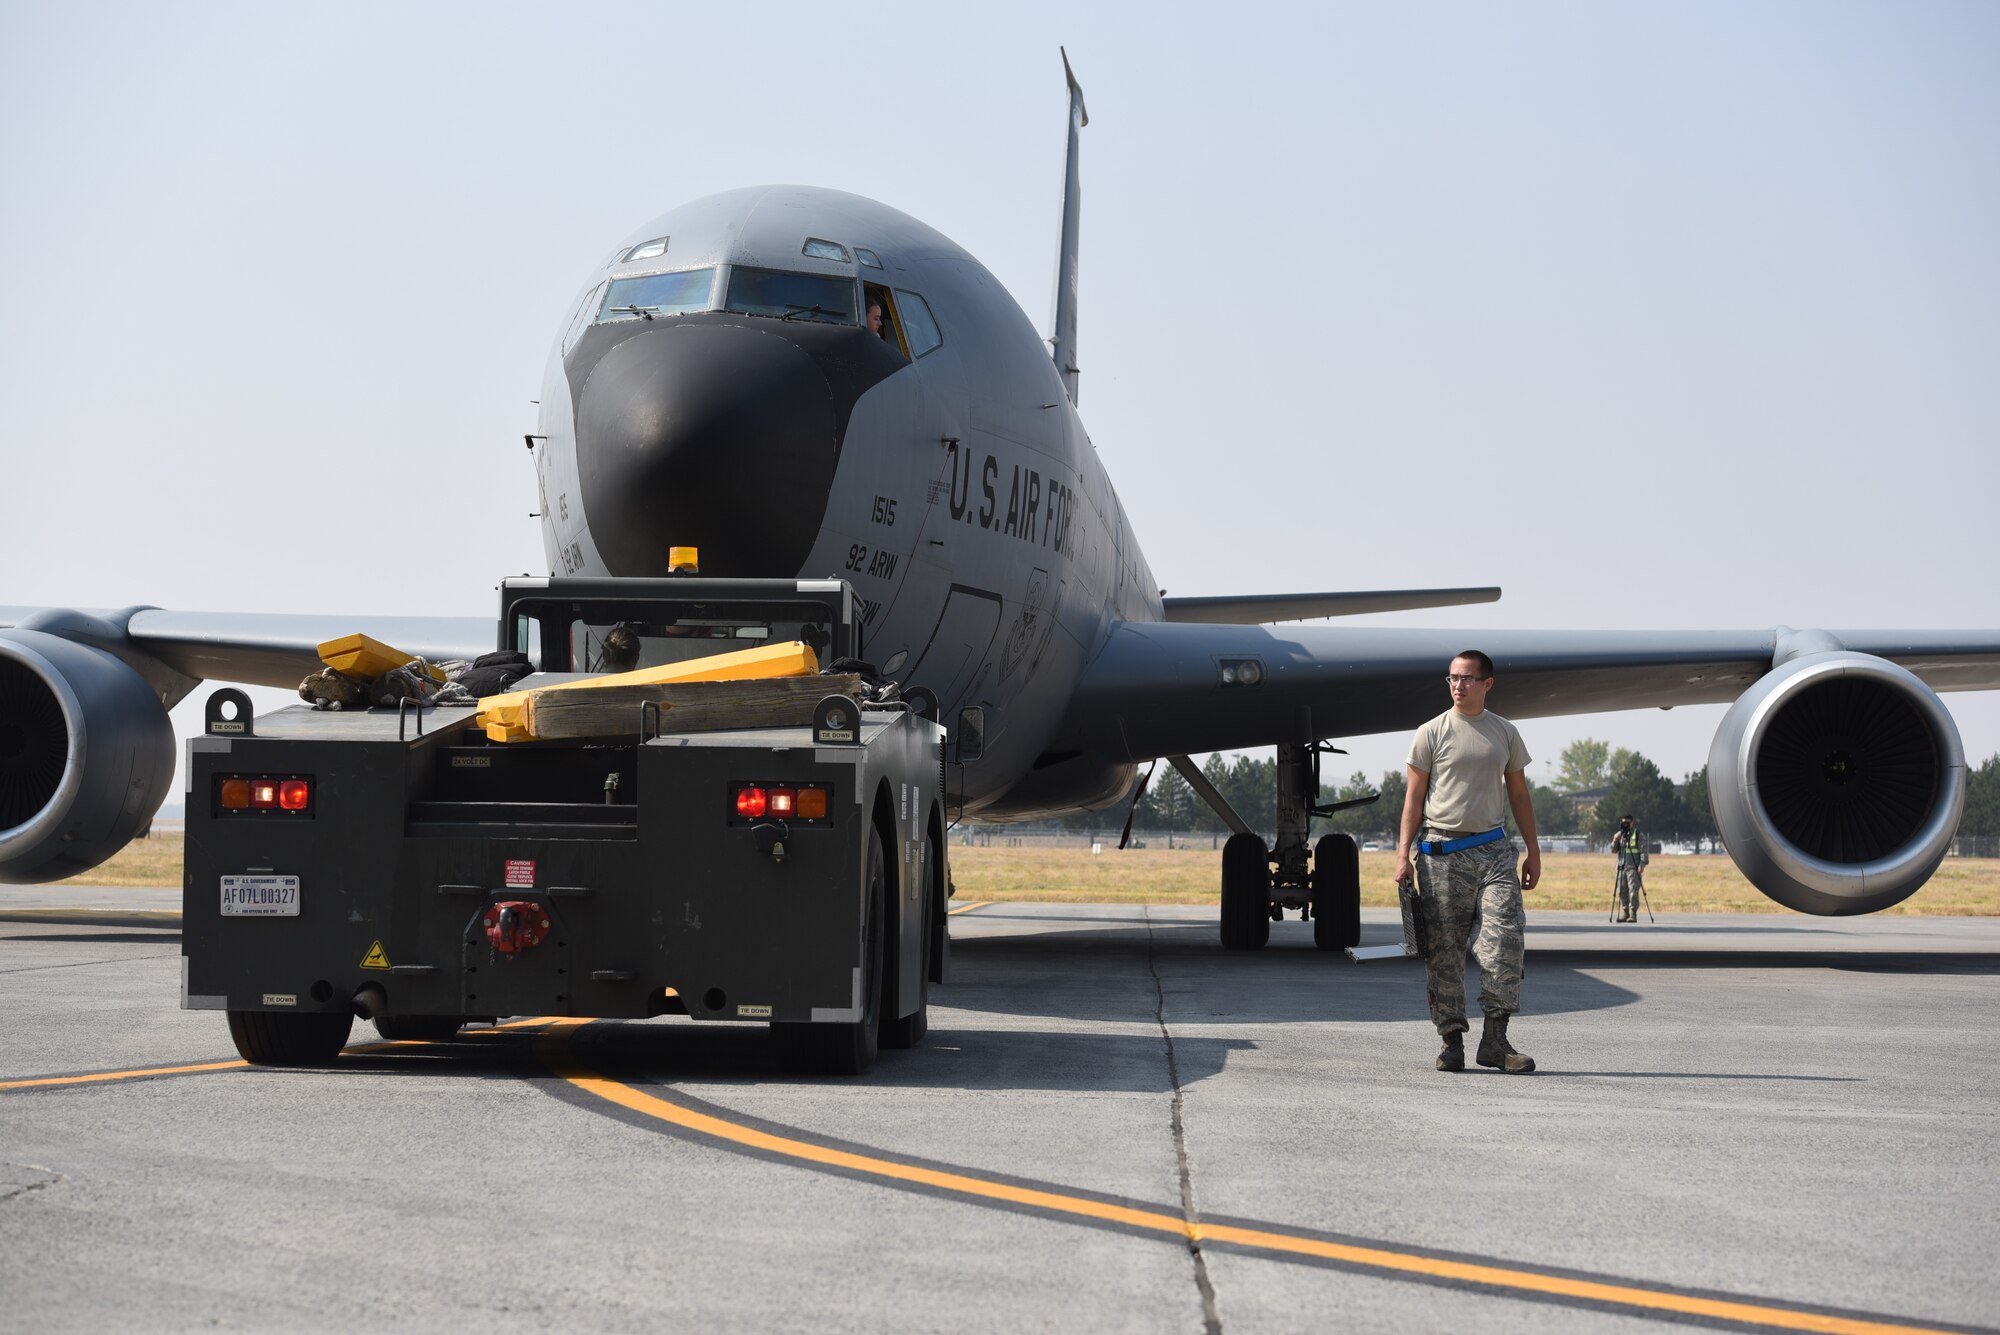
(376, 958)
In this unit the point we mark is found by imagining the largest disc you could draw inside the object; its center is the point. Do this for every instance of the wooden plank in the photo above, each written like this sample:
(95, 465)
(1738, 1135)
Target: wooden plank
(505, 720)
(694, 706)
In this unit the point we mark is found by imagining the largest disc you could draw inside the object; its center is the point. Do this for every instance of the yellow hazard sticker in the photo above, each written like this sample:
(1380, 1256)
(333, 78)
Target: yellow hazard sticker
(376, 958)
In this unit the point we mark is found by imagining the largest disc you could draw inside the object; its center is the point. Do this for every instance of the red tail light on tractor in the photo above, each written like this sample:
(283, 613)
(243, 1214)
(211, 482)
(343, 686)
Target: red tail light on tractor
(273, 795)
(751, 801)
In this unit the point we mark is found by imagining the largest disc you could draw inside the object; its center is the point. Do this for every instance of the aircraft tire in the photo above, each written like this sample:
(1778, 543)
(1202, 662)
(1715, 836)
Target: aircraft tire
(906, 1031)
(418, 1028)
(847, 1048)
(1246, 892)
(265, 1038)
(1336, 893)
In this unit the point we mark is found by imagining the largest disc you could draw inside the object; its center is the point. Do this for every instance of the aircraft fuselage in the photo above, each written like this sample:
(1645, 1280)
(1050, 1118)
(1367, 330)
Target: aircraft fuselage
(717, 386)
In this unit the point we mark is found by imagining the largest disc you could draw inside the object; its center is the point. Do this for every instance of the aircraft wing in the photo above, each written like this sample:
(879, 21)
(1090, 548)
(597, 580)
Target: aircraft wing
(254, 648)
(1257, 608)
(1157, 689)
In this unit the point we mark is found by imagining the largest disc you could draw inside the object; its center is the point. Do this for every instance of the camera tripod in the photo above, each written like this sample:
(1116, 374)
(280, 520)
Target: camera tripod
(1644, 898)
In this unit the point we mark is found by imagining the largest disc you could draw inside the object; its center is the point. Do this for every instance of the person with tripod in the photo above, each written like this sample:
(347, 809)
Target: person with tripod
(1630, 846)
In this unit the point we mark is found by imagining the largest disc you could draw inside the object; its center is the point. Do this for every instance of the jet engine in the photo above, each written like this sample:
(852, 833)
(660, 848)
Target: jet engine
(86, 755)
(1837, 781)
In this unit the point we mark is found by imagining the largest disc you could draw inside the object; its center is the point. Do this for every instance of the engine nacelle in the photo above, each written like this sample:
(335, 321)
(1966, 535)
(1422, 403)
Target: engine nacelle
(1837, 782)
(86, 756)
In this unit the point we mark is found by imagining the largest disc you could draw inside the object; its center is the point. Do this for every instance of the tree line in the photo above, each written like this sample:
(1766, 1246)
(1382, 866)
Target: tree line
(1665, 810)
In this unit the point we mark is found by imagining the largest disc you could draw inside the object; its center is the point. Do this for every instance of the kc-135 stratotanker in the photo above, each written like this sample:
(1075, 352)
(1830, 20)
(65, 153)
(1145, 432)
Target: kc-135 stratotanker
(724, 382)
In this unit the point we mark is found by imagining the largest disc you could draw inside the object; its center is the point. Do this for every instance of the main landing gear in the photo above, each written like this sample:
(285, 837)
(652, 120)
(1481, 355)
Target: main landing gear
(1260, 883)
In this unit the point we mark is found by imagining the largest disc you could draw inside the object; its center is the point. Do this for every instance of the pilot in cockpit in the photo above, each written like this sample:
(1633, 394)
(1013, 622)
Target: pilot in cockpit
(878, 325)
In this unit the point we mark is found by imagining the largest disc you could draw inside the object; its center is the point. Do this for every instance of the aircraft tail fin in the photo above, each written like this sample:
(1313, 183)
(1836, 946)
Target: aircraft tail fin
(1072, 206)
(1258, 609)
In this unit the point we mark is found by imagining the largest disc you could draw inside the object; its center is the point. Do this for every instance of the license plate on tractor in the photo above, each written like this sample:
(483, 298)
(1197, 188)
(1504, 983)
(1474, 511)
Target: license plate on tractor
(260, 896)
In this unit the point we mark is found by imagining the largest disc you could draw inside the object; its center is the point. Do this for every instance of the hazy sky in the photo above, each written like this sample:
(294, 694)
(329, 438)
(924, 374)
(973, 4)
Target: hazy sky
(1690, 311)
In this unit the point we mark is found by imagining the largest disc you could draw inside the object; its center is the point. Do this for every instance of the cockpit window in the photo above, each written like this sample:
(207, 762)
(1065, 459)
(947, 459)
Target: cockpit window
(580, 318)
(657, 294)
(919, 326)
(868, 257)
(646, 250)
(791, 296)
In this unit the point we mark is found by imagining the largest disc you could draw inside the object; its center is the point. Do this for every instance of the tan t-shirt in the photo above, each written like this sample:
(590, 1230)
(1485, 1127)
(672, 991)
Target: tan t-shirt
(1467, 759)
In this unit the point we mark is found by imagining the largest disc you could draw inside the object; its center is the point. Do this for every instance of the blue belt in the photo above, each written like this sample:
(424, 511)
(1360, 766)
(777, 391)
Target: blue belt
(1454, 845)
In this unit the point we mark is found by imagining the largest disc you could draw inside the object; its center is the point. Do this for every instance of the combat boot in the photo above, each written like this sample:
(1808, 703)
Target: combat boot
(1452, 1056)
(1495, 1051)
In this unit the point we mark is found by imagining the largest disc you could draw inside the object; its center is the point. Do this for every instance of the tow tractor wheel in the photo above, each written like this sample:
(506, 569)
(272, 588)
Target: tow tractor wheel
(1246, 892)
(906, 1031)
(1336, 893)
(269, 1038)
(418, 1028)
(846, 1048)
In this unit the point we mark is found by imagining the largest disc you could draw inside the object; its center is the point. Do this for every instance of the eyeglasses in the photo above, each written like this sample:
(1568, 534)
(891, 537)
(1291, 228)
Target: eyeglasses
(1457, 680)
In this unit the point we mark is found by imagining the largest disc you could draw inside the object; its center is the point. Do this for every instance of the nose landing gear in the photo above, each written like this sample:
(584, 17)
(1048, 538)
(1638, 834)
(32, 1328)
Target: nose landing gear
(1336, 892)
(1260, 883)
(1246, 892)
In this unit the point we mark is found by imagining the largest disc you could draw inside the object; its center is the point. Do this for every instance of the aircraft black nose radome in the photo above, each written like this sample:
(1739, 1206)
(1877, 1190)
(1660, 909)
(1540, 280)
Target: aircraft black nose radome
(705, 434)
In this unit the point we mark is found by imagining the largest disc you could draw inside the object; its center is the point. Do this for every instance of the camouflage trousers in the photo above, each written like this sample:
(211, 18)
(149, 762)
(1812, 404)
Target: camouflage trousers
(1472, 897)
(1628, 890)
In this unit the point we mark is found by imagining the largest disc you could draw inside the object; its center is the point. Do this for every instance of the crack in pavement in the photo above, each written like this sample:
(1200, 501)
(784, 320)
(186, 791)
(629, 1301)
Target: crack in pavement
(1211, 1319)
(18, 1179)
(87, 964)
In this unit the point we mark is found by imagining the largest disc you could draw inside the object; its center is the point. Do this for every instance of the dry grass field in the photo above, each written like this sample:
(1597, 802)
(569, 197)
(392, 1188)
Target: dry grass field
(1708, 884)
(153, 862)
(1191, 876)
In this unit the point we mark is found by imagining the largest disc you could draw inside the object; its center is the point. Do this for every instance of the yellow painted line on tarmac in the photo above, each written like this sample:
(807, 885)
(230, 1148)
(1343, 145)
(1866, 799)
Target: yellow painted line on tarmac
(1498, 1277)
(95, 917)
(44, 1081)
(652, 1106)
(967, 908)
(1560, 1286)
(99, 1077)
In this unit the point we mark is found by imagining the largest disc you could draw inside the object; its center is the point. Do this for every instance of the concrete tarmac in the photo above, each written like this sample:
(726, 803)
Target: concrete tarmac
(1758, 1122)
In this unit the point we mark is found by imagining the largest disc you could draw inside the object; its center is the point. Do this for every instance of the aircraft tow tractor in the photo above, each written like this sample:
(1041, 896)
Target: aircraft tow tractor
(701, 852)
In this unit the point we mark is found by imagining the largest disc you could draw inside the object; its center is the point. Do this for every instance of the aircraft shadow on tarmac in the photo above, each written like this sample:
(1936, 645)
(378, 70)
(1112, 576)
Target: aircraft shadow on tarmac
(1786, 927)
(1697, 1075)
(1095, 974)
(956, 1059)
(1022, 1059)
(1928, 962)
(1107, 976)
(678, 1050)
